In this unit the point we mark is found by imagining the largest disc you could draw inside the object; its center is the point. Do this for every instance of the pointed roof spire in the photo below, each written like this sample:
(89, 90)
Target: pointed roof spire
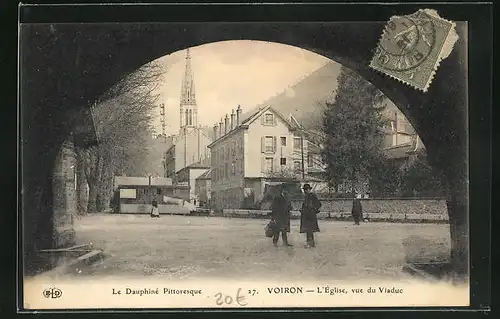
(188, 93)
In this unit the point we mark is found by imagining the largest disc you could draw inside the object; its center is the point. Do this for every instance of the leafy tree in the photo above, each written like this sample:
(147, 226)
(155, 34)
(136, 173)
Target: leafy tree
(353, 130)
(386, 178)
(284, 173)
(420, 179)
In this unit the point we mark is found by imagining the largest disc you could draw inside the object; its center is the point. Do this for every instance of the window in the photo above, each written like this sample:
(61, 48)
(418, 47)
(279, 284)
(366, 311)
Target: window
(269, 144)
(226, 170)
(233, 168)
(283, 161)
(283, 141)
(269, 164)
(310, 160)
(296, 143)
(297, 166)
(269, 119)
(127, 193)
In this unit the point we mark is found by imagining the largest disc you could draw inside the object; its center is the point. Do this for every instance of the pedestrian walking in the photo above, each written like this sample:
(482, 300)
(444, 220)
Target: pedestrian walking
(281, 208)
(308, 215)
(357, 211)
(155, 212)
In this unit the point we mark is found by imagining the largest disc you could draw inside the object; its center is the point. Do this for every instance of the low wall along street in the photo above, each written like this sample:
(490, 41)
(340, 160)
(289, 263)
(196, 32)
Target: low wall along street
(390, 209)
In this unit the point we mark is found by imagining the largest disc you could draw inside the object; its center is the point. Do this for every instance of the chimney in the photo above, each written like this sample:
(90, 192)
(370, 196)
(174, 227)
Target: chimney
(238, 115)
(226, 124)
(220, 128)
(232, 119)
(215, 131)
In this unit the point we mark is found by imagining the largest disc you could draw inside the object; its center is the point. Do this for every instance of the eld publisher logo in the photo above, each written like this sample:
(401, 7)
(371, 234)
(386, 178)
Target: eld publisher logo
(53, 293)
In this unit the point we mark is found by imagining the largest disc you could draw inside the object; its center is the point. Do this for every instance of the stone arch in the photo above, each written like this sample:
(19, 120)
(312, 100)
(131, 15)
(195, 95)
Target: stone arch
(82, 61)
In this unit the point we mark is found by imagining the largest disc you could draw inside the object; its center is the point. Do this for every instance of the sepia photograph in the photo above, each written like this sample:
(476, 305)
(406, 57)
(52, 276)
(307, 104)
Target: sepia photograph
(248, 165)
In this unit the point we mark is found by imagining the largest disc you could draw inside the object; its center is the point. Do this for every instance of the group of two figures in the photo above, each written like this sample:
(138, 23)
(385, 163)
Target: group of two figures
(281, 208)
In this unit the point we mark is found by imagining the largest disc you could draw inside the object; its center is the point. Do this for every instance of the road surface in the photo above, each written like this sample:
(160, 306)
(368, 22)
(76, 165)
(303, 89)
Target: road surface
(215, 247)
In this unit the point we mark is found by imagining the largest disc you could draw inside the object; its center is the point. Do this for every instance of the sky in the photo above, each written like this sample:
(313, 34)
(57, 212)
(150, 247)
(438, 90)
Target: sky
(230, 73)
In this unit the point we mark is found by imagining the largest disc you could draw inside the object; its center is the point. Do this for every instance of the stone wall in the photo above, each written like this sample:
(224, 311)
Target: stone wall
(146, 209)
(65, 204)
(385, 205)
(411, 210)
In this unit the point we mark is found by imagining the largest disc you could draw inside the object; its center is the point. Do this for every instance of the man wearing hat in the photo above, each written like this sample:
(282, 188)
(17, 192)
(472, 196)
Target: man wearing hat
(308, 219)
(281, 208)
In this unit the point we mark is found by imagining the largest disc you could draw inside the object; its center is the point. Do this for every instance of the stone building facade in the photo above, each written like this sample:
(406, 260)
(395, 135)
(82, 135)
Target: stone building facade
(250, 150)
(189, 175)
(203, 188)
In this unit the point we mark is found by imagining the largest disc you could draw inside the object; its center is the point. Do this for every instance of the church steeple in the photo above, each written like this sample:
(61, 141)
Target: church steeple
(188, 107)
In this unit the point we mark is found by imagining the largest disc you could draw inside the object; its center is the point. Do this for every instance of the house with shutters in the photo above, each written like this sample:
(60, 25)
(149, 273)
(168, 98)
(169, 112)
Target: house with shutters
(252, 150)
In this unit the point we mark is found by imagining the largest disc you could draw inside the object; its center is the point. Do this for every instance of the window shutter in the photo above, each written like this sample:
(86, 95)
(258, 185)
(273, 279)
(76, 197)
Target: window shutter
(263, 144)
(275, 142)
(263, 165)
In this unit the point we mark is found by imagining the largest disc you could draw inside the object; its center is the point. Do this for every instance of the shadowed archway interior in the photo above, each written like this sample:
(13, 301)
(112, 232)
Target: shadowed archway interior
(65, 68)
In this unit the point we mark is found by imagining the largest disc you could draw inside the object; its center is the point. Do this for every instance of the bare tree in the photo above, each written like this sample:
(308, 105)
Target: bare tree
(123, 117)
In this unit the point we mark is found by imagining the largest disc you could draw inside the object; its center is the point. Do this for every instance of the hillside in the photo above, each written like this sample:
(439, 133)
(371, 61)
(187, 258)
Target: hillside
(303, 100)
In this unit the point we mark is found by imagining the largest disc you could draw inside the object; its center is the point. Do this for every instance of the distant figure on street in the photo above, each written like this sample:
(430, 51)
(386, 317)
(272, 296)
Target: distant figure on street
(281, 208)
(308, 219)
(155, 212)
(357, 211)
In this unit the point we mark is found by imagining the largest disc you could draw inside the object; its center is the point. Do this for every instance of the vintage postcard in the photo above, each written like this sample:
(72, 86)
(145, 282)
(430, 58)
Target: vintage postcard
(181, 165)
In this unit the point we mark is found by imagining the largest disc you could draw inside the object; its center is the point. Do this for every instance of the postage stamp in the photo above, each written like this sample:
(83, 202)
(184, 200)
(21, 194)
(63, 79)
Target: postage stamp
(412, 46)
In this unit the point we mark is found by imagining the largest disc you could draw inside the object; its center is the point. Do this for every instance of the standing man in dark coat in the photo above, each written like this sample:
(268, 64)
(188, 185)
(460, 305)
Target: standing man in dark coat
(308, 219)
(281, 208)
(357, 211)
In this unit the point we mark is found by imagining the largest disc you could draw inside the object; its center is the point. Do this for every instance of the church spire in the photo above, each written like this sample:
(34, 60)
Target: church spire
(188, 107)
(188, 95)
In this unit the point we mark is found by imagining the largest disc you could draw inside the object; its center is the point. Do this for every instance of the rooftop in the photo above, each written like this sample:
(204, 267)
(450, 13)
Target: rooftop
(206, 175)
(250, 117)
(399, 151)
(142, 181)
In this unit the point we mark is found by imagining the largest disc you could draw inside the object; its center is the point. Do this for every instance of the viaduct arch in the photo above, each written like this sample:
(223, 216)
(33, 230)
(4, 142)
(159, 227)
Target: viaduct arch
(65, 67)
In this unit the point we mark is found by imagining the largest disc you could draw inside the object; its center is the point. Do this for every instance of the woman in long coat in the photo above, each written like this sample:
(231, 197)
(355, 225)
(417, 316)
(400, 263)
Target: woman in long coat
(281, 208)
(357, 211)
(308, 219)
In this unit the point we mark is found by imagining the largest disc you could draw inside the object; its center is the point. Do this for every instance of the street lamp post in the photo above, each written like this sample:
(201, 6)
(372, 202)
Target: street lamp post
(302, 154)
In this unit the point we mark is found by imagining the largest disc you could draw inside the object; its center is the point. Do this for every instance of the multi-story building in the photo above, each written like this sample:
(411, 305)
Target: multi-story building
(251, 150)
(402, 142)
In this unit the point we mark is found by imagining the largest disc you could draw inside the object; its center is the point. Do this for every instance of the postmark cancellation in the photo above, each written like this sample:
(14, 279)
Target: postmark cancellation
(412, 46)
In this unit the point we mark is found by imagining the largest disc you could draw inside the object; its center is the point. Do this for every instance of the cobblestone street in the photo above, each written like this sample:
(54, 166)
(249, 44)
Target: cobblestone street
(211, 247)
